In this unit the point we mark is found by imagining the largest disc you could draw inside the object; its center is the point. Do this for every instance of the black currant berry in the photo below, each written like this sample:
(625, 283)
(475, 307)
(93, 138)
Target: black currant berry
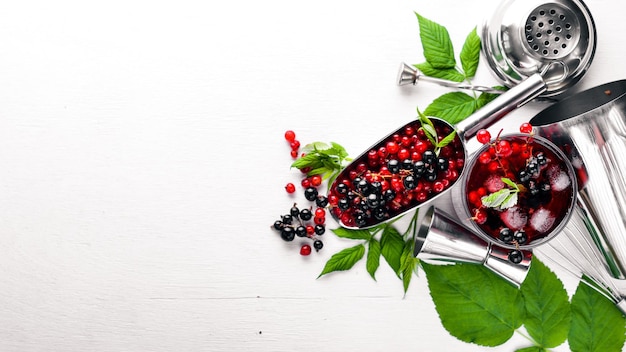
(278, 224)
(389, 195)
(343, 204)
(318, 245)
(419, 168)
(429, 157)
(523, 176)
(342, 188)
(310, 193)
(287, 233)
(380, 213)
(541, 159)
(431, 175)
(294, 212)
(373, 201)
(410, 182)
(360, 220)
(319, 230)
(363, 186)
(442, 164)
(515, 256)
(407, 164)
(394, 166)
(520, 236)
(301, 231)
(287, 219)
(306, 214)
(506, 235)
(321, 201)
(376, 187)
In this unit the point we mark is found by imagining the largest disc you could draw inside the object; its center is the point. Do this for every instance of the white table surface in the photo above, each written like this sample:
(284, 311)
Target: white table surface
(143, 161)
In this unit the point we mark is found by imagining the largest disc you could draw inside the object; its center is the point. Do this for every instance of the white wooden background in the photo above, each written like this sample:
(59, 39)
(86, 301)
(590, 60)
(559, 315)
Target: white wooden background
(142, 162)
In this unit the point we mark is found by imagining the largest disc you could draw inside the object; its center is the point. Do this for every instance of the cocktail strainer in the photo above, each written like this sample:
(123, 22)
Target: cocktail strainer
(525, 37)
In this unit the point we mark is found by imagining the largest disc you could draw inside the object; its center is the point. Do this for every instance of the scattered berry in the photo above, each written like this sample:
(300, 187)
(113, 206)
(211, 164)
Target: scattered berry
(318, 245)
(305, 250)
(526, 128)
(290, 188)
(483, 136)
(290, 136)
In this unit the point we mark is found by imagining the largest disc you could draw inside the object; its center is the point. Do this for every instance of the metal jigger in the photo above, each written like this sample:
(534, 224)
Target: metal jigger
(411, 75)
(440, 238)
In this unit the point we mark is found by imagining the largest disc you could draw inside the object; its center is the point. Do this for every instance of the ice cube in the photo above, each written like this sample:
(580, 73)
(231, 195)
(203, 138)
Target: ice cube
(559, 179)
(494, 183)
(514, 218)
(542, 220)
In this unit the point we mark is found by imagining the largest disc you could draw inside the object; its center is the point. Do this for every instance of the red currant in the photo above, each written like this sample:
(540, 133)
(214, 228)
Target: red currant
(305, 250)
(295, 145)
(503, 149)
(526, 127)
(484, 158)
(316, 180)
(320, 212)
(483, 136)
(306, 182)
(480, 216)
(294, 154)
(392, 147)
(290, 136)
(290, 187)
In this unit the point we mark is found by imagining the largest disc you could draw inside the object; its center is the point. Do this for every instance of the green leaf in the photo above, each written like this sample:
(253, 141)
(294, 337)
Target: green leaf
(470, 54)
(450, 74)
(509, 201)
(547, 305)
(531, 349)
(407, 264)
(344, 260)
(486, 98)
(496, 199)
(510, 183)
(391, 247)
(438, 49)
(373, 258)
(353, 234)
(597, 324)
(474, 304)
(447, 140)
(452, 107)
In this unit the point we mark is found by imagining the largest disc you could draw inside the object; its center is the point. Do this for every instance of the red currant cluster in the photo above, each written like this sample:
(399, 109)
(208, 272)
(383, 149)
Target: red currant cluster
(307, 222)
(290, 136)
(398, 173)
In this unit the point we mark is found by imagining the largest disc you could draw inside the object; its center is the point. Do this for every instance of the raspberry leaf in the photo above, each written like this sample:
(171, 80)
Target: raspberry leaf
(597, 325)
(343, 260)
(438, 49)
(391, 247)
(474, 304)
(452, 107)
(548, 313)
(531, 349)
(352, 234)
(470, 54)
(450, 74)
(408, 263)
(373, 257)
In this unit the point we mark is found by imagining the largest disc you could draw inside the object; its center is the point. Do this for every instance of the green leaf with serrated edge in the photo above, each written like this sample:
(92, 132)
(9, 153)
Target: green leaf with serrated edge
(344, 259)
(391, 246)
(452, 107)
(474, 304)
(486, 98)
(436, 43)
(495, 199)
(531, 349)
(407, 264)
(597, 324)
(509, 201)
(547, 305)
(373, 257)
(450, 74)
(352, 234)
(447, 140)
(509, 183)
(470, 54)
(428, 127)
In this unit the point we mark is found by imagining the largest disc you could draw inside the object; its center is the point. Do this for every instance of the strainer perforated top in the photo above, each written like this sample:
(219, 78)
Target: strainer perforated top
(552, 31)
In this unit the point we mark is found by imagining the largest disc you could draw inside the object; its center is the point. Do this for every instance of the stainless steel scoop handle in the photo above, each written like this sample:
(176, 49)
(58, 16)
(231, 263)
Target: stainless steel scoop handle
(510, 100)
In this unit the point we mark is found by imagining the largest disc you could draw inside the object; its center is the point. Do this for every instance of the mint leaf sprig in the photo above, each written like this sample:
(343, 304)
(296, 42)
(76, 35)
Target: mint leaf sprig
(431, 133)
(322, 159)
(504, 198)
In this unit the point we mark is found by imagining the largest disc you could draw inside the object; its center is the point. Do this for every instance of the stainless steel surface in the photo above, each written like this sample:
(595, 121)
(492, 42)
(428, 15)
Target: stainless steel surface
(441, 238)
(411, 75)
(576, 252)
(590, 128)
(522, 38)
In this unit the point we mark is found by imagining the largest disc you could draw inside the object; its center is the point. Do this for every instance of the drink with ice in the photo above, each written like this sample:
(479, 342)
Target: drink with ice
(519, 190)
